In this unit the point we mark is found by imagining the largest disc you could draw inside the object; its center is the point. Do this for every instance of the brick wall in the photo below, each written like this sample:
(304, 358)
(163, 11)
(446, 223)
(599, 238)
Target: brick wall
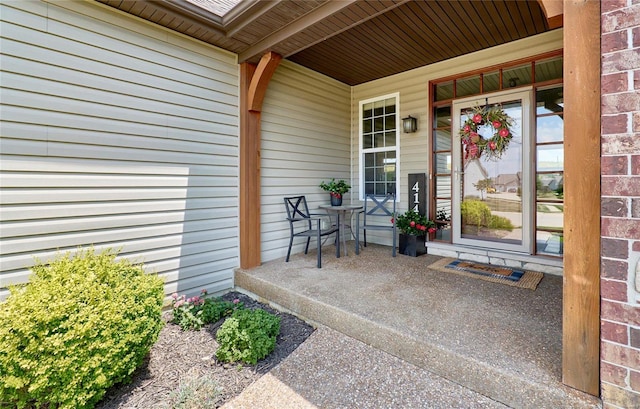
(620, 204)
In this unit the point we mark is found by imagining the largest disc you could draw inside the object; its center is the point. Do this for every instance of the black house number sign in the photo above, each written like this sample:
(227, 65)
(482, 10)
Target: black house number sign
(418, 192)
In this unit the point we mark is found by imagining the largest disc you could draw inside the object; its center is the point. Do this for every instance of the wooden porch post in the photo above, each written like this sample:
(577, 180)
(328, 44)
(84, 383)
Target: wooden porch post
(253, 86)
(581, 290)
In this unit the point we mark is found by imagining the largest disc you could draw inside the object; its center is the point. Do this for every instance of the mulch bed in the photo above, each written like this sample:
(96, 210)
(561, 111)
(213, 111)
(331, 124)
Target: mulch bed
(179, 355)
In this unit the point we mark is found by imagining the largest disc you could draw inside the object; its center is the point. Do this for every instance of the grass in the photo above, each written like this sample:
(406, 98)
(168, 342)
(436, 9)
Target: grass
(503, 205)
(544, 208)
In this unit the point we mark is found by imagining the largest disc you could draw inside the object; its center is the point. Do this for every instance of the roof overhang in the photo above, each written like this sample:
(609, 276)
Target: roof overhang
(353, 41)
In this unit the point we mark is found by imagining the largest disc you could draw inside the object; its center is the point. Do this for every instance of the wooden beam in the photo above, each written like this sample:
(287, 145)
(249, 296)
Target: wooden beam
(390, 6)
(553, 10)
(302, 23)
(253, 85)
(581, 290)
(249, 174)
(260, 81)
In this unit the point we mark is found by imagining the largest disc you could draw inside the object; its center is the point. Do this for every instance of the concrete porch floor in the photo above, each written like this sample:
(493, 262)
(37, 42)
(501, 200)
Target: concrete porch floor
(500, 341)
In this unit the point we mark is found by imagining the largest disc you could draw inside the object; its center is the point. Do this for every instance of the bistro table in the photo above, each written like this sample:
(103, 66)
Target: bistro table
(342, 213)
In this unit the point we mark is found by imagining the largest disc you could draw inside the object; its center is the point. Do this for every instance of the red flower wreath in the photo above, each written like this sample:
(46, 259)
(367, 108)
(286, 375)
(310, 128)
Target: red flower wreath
(475, 144)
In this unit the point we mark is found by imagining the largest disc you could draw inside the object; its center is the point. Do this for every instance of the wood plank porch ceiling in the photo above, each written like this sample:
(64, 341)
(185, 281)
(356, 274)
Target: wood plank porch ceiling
(353, 41)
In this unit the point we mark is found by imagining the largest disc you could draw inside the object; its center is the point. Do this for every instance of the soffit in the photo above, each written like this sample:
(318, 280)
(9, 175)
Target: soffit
(217, 7)
(353, 41)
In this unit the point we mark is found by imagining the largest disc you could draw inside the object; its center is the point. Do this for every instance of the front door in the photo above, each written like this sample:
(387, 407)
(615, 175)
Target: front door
(493, 197)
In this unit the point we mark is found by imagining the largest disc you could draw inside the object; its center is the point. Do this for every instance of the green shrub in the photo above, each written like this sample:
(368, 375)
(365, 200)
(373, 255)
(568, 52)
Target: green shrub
(82, 324)
(247, 336)
(500, 223)
(194, 312)
(475, 213)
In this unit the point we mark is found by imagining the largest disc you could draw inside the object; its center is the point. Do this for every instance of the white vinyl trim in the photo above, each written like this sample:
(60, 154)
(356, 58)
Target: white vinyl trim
(362, 150)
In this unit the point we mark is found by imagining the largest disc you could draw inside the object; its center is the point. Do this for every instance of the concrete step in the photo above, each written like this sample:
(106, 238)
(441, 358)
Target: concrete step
(506, 384)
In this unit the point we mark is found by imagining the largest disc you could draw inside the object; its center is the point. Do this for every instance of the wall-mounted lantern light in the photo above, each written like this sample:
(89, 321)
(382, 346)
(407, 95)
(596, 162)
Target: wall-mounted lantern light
(409, 124)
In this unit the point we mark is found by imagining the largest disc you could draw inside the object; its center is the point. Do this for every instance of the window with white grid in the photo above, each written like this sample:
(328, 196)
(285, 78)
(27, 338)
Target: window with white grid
(379, 147)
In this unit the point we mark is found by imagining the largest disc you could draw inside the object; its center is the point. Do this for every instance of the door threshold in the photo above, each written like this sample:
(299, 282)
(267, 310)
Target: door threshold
(549, 265)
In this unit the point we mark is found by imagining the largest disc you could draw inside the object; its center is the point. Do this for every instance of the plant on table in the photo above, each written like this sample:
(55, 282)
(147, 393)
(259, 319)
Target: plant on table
(335, 188)
(412, 222)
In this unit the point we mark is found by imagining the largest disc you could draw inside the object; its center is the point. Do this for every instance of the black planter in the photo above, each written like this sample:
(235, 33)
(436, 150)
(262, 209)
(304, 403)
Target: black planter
(412, 245)
(336, 200)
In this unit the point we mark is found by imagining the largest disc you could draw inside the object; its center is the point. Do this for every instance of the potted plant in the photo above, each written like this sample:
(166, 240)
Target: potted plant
(413, 229)
(336, 190)
(443, 222)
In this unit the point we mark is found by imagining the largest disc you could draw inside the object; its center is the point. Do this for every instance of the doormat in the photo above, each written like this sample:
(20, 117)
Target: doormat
(496, 274)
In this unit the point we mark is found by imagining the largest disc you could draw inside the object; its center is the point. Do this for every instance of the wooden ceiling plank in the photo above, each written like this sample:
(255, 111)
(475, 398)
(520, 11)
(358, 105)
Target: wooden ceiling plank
(502, 28)
(340, 45)
(346, 4)
(426, 49)
(372, 7)
(517, 18)
(539, 21)
(432, 37)
(474, 25)
(528, 14)
(445, 24)
(333, 26)
(335, 53)
(357, 56)
(509, 26)
(397, 22)
(315, 16)
(375, 35)
(420, 15)
(341, 40)
(311, 35)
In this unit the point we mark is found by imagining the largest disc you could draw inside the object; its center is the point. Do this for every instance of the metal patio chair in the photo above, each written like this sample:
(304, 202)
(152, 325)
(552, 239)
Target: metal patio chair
(302, 223)
(376, 216)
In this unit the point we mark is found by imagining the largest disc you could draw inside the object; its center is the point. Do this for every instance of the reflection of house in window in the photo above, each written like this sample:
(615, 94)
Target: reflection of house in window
(473, 172)
(508, 182)
(549, 182)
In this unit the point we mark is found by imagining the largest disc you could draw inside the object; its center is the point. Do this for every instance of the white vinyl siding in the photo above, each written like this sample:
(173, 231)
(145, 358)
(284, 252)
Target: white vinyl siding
(116, 133)
(305, 140)
(414, 100)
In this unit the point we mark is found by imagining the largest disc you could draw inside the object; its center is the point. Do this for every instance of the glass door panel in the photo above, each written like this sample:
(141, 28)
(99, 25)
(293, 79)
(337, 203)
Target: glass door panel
(492, 197)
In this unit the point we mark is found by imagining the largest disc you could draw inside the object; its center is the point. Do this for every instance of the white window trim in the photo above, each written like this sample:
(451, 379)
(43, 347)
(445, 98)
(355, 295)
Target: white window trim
(361, 151)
